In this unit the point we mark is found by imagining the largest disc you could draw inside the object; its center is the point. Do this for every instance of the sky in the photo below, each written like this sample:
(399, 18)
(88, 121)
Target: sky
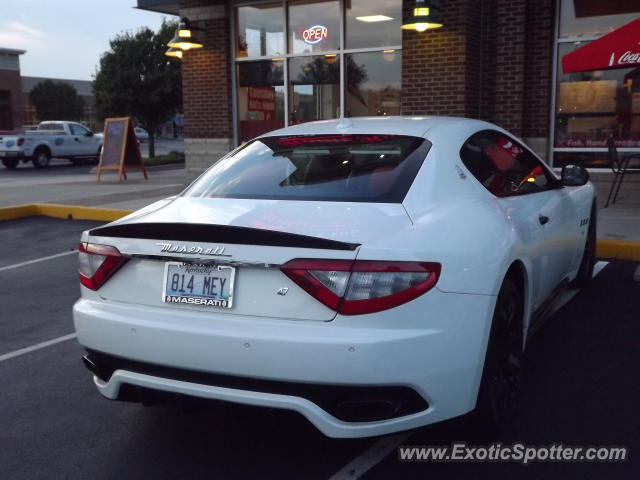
(65, 38)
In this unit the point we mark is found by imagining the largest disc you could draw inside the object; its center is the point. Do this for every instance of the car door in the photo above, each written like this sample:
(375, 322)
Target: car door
(83, 143)
(533, 202)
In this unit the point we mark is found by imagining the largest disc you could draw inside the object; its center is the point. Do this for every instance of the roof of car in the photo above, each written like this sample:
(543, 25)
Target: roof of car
(416, 126)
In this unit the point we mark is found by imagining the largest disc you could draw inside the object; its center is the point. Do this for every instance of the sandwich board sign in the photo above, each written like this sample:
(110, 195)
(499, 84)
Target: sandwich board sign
(120, 148)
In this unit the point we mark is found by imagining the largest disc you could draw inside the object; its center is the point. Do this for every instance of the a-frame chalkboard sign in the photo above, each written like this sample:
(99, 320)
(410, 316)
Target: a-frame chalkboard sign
(120, 148)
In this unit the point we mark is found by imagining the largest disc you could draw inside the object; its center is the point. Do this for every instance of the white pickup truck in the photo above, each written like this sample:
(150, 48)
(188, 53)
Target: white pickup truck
(68, 140)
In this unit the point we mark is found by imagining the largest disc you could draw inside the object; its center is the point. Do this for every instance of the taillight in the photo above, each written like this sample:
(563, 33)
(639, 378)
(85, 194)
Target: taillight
(362, 286)
(20, 141)
(97, 263)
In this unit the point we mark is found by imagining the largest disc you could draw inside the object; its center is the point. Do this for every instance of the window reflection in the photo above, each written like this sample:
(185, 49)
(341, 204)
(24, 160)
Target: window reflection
(314, 26)
(260, 30)
(594, 105)
(579, 18)
(260, 98)
(315, 88)
(373, 24)
(373, 83)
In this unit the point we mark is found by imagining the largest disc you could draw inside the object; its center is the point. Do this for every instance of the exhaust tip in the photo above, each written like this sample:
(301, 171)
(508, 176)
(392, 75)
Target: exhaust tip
(92, 367)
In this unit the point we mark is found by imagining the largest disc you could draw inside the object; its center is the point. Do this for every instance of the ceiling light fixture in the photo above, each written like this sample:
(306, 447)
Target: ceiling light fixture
(184, 36)
(426, 15)
(374, 18)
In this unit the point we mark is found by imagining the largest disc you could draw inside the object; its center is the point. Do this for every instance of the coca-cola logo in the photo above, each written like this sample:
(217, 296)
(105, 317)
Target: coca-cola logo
(629, 57)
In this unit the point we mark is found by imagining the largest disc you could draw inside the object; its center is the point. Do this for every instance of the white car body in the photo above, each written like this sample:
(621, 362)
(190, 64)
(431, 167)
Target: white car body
(141, 134)
(60, 139)
(435, 344)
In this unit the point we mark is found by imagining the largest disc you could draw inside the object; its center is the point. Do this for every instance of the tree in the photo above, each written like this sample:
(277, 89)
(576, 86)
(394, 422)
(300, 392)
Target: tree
(135, 78)
(55, 100)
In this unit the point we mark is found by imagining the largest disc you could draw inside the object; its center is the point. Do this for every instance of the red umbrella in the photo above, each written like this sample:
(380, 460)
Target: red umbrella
(618, 49)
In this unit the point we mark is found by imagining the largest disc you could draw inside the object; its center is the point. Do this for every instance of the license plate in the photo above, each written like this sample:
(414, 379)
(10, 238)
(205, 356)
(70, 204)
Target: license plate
(192, 284)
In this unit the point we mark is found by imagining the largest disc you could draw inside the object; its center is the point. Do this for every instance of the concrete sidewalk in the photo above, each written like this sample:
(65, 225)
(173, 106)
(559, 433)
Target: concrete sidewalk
(82, 188)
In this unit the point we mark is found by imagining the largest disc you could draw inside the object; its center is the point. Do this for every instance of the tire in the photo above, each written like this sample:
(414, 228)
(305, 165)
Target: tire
(41, 158)
(585, 273)
(10, 163)
(96, 160)
(499, 393)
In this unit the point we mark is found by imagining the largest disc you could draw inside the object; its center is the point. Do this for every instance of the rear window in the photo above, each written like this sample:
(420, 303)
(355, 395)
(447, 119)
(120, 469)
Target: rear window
(338, 168)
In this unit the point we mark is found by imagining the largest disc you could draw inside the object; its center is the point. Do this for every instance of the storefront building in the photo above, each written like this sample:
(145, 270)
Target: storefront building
(269, 64)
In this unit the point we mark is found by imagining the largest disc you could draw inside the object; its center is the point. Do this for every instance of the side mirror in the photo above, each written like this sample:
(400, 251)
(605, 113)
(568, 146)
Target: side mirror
(89, 134)
(574, 176)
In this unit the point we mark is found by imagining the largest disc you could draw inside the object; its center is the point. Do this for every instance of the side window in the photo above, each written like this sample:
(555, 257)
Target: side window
(502, 165)
(77, 129)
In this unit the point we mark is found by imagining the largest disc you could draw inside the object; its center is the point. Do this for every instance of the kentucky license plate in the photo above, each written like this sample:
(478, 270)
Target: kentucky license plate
(191, 284)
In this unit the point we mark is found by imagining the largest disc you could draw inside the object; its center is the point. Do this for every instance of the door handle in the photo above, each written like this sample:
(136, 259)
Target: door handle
(543, 219)
(76, 139)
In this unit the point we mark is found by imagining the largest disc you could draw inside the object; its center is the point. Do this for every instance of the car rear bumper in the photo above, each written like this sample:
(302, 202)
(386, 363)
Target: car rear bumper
(439, 358)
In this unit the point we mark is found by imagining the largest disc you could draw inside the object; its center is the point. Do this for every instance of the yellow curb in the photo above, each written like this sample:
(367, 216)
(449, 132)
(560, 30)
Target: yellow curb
(19, 211)
(618, 250)
(71, 212)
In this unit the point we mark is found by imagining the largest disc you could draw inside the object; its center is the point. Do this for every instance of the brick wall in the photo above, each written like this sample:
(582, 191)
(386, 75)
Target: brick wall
(206, 87)
(434, 64)
(12, 113)
(538, 74)
(206, 84)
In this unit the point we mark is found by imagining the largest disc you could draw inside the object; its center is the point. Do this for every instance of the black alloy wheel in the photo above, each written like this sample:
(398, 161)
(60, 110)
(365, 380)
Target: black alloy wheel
(499, 394)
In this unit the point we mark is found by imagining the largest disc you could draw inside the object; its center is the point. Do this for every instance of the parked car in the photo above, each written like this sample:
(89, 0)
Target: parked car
(59, 139)
(142, 134)
(374, 275)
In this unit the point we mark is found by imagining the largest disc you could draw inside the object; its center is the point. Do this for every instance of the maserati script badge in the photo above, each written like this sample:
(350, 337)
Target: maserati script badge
(176, 248)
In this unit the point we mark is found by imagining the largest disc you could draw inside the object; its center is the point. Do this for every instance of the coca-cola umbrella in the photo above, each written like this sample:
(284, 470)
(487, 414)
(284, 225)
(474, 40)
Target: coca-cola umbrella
(618, 49)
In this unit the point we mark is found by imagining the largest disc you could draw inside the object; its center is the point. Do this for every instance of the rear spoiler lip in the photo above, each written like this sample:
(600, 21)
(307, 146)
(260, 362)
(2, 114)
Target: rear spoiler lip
(224, 234)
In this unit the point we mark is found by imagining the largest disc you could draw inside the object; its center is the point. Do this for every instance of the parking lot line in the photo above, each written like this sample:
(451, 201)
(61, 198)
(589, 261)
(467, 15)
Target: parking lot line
(37, 346)
(42, 259)
(371, 457)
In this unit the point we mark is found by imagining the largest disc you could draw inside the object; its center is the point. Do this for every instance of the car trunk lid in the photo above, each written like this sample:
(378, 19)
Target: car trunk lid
(254, 237)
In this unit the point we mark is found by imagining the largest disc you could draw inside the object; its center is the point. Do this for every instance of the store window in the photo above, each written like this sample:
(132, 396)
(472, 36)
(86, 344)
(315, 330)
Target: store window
(373, 23)
(373, 83)
(589, 18)
(314, 26)
(336, 58)
(594, 105)
(260, 97)
(315, 88)
(260, 30)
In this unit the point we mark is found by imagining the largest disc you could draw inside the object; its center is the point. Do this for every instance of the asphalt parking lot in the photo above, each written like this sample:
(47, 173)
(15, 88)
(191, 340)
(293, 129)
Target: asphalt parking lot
(581, 389)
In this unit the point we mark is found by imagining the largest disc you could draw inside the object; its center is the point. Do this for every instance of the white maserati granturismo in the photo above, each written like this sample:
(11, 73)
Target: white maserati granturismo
(374, 275)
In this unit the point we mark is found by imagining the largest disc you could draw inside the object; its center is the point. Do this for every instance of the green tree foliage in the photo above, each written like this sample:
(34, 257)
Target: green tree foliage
(54, 100)
(136, 79)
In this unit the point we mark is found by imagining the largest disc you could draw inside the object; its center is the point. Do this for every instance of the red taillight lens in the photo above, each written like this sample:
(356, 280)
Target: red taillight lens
(362, 286)
(97, 263)
(20, 141)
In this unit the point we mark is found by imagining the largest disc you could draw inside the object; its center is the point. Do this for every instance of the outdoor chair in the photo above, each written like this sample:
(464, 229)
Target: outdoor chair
(620, 167)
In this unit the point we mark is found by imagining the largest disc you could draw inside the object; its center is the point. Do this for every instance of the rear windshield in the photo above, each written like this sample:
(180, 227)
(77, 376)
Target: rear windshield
(338, 168)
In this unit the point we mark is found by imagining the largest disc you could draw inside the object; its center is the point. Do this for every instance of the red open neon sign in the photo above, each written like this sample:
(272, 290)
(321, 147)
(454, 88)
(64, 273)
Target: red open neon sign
(315, 34)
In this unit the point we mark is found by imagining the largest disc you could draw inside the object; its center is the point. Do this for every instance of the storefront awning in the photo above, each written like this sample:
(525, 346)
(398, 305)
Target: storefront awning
(618, 49)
